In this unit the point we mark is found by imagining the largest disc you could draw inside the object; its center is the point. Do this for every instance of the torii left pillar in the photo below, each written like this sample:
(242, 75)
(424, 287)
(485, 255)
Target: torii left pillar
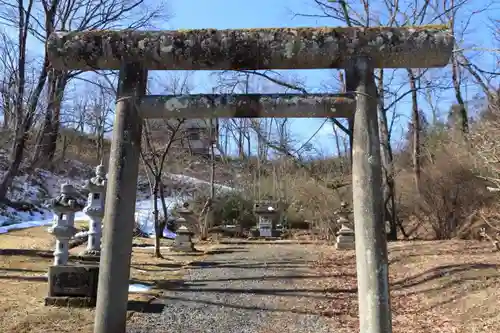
(114, 268)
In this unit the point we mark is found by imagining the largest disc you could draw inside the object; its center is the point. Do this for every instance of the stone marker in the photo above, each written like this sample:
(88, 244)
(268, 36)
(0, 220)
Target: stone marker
(345, 239)
(183, 241)
(73, 286)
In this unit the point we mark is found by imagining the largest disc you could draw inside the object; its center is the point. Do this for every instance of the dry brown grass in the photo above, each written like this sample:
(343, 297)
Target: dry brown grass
(450, 286)
(24, 285)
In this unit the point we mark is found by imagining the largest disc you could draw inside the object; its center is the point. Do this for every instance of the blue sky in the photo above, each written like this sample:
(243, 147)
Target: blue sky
(222, 14)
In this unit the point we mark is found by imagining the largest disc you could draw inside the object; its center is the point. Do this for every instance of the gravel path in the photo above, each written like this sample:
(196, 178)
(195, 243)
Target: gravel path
(246, 289)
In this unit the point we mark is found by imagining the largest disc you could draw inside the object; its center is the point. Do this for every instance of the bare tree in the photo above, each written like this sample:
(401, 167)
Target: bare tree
(78, 15)
(159, 138)
(154, 157)
(24, 103)
(39, 19)
(98, 116)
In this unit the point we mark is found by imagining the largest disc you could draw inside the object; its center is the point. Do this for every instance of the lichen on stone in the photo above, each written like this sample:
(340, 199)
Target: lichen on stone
(247, 105)
(275, 48)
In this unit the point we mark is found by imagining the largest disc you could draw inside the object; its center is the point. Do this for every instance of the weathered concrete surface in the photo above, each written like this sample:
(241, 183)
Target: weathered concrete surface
(248, 106)
(114, 269)
(367, 197)
(273, 48)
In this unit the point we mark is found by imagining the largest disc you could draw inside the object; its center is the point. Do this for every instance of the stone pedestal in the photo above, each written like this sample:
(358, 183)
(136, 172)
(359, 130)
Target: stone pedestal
(183, 241)
(73, 286)
(345, 239)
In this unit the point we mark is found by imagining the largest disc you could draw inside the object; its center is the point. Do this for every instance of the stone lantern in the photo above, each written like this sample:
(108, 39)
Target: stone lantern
(63, 228)
(345, 236)
(95, 209)
(184, 236)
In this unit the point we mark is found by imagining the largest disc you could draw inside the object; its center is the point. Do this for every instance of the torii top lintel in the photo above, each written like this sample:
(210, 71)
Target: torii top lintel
(273, 48)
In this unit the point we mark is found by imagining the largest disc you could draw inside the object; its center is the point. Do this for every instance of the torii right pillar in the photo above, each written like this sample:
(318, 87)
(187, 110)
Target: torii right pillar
(371, 243)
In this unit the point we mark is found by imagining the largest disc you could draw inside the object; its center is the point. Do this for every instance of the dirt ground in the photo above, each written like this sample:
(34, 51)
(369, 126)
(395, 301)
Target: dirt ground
(25, 256)
(450, 286)
(438, 286)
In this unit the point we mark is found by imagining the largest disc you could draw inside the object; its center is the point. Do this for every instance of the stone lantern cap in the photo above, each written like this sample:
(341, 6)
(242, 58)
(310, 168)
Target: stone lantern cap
(98, 182)
(342, 219)
(345, 231)
(184, 210)
(183, 230)
(266, 207)
(66, 202)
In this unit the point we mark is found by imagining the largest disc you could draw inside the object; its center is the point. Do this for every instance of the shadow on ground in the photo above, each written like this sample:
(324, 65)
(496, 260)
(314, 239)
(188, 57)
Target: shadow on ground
(145, 306)
(43, 254)
(285, 264)
(27, 252)
(246, 307)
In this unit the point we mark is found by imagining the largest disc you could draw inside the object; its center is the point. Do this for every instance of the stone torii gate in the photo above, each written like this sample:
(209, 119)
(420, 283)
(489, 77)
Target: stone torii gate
(357, 50)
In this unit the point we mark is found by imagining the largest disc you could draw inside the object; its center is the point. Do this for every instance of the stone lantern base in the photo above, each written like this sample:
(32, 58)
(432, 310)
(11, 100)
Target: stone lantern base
(91, 253)
(73, 286)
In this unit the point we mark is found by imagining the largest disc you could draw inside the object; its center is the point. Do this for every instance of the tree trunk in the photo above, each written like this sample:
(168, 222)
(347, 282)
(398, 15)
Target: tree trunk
(163, 203)
(158, 232)
(350, 87)
(16, 159)
(387, 164)
(47, 139)
(416, 129)
(455, 76)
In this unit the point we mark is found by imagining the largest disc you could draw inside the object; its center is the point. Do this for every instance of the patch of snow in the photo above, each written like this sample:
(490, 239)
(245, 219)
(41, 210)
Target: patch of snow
(138, 288)
(169, 234)
(44, 185)
(144, 212)
(196, 181)
(81, 234)
(24, 225)
(11, 216)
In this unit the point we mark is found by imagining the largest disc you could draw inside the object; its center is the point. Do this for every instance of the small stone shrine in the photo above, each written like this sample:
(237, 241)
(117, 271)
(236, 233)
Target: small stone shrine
(95, 210)
(69, 285)
(183, 241)
(269, 214)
